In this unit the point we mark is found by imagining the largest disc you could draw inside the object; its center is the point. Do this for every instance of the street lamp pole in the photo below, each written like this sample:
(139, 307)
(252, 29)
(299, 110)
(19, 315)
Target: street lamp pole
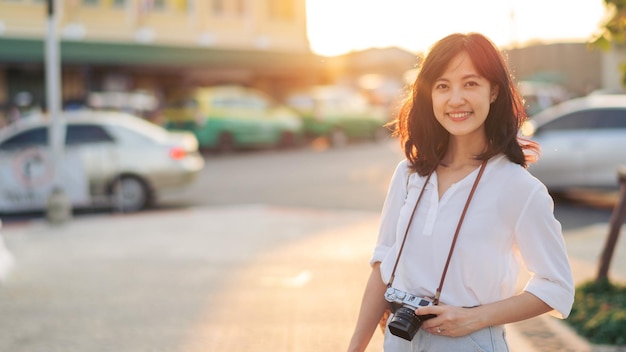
(58, 209)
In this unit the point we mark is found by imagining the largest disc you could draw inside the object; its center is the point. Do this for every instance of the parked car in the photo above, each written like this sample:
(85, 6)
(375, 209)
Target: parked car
(233, 117)
(339, 114)
(109, 159)
(583, 142)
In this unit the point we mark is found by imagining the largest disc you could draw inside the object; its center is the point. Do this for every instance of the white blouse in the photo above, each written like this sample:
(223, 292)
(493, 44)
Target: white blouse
(510, 221)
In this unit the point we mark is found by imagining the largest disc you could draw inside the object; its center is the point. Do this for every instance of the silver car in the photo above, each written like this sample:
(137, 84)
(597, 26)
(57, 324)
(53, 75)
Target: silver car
(109, 159)
(583, 142)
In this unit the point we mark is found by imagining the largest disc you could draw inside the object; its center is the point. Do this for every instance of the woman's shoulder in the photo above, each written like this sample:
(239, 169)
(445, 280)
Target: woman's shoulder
(407, 176)
(403, 168)
(513, 174)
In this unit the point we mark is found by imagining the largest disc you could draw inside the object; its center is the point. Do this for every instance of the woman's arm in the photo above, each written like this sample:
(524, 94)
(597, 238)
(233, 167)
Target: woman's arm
(456, 321)
(373, 306)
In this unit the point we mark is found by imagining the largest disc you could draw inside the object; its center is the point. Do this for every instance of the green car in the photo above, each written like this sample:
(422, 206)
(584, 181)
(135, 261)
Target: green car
(226, 118)
(338, 114)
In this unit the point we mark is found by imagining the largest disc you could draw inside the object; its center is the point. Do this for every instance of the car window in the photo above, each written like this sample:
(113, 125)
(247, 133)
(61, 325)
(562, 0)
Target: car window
(579, 120)
(301, 102)
(588, 119)
(612, 118)
(257, 102)
(87, 133)
(37, 136)
(225, 102)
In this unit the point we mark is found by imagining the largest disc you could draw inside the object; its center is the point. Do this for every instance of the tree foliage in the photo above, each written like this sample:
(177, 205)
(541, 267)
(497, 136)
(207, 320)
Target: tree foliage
(613, 30)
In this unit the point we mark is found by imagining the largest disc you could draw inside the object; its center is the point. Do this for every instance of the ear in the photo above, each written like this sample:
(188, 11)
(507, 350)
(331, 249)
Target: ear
(494, 93)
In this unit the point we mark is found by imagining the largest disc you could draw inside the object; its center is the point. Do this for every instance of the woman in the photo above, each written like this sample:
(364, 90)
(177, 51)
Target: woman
(464, 111)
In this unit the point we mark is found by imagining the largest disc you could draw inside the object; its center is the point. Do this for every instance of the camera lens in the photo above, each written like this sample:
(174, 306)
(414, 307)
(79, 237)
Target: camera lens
(405, 323)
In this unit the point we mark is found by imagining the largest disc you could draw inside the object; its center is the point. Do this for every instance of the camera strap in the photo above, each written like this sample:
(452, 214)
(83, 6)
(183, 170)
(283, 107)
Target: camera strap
(456, 233)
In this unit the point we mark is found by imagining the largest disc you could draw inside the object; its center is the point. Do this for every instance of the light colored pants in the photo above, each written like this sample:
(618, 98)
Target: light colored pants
(491, 339)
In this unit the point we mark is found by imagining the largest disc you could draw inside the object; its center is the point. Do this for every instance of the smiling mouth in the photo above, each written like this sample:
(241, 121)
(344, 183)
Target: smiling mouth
(459, 115)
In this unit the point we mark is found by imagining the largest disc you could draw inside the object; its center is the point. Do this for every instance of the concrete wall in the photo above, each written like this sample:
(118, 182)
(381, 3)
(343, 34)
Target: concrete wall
(575, 65)
(611, 68)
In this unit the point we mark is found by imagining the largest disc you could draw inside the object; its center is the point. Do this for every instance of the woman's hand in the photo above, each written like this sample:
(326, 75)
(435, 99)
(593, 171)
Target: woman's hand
(457, 321)
(450, 321)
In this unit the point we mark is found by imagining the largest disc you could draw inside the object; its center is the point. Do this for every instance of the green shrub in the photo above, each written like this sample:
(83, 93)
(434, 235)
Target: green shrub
(599, 312)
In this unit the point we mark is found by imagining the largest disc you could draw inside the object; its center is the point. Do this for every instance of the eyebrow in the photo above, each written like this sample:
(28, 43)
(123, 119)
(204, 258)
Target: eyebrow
(469, 76)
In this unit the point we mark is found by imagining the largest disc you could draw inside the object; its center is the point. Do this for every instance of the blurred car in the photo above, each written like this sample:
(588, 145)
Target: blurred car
(339, 114)
(110, 159)
(225, 118)
(583, 142)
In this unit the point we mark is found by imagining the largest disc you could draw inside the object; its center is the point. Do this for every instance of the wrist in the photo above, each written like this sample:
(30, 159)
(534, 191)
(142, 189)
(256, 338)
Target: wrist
(480, 317)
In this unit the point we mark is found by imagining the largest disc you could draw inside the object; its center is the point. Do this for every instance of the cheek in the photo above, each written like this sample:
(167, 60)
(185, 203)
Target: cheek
(438, 105)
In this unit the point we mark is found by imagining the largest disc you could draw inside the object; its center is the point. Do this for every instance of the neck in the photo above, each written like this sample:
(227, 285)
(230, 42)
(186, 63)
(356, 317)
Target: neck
(462, 152)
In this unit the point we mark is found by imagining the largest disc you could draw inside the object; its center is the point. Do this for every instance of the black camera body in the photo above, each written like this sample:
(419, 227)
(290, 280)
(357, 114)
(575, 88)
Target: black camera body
(405, 322)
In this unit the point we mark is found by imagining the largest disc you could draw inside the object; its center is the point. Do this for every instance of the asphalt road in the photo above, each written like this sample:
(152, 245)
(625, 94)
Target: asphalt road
(354, 177)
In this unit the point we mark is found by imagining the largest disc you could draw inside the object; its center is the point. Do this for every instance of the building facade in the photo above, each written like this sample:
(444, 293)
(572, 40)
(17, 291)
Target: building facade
(154, 46)
(576, 66)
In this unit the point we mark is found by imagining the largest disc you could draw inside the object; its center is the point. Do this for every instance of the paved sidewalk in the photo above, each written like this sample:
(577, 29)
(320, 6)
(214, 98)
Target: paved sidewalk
(293, 282)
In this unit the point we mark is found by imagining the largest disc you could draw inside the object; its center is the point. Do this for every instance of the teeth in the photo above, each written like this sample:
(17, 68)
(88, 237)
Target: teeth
(459, 115)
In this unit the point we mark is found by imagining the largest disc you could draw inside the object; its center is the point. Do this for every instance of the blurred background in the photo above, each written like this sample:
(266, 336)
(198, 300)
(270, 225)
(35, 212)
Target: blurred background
(253, 133)
(136, 55)
(267, 74)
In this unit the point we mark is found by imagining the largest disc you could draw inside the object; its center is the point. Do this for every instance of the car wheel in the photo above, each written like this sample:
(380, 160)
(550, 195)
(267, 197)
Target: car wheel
(129, 194)
(226, 143)
(338, 138)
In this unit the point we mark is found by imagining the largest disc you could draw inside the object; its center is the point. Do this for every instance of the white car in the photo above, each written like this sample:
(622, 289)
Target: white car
(110, 159)
(583, 142)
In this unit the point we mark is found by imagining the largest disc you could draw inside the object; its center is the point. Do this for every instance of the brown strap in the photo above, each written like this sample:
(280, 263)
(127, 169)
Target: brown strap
(456, 233)
(406, 232)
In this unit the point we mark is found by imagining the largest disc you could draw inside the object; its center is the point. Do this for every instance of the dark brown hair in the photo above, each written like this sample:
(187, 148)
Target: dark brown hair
(425, 141)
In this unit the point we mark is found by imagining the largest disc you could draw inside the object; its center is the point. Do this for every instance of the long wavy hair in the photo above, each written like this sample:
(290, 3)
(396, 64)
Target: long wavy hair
(422, 137)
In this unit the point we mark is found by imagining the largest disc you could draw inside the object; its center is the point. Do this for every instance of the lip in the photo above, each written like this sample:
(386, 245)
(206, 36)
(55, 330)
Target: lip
(459, 115)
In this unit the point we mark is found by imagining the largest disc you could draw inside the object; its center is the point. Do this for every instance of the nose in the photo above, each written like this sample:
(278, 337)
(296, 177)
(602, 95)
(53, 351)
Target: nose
(456, 97)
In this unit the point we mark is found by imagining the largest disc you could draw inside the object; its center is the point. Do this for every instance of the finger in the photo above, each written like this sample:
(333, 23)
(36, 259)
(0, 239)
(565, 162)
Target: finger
(432, 324)
(428, 310)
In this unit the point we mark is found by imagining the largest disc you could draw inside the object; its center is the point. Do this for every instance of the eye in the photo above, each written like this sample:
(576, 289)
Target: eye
(471, 84)
(441, 86)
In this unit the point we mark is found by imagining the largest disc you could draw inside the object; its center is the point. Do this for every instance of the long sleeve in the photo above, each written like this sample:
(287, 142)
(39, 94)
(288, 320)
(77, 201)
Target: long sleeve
(394, 201)
(541, 244)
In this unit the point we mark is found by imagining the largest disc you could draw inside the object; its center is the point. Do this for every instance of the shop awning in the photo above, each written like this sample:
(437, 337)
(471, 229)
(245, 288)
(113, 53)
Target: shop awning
(135, 54)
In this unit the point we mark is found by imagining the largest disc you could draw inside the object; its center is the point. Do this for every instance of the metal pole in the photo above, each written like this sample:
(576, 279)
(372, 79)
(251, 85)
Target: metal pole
(617, 219)
(58, 205)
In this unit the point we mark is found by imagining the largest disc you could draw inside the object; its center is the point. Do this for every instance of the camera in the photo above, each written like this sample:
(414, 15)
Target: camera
(405, 322)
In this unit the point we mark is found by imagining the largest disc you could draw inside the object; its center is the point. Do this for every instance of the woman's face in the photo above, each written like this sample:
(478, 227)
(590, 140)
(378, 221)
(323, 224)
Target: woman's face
(462, 97)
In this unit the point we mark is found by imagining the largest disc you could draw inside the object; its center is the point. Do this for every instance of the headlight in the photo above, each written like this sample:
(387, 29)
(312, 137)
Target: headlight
(528, 129)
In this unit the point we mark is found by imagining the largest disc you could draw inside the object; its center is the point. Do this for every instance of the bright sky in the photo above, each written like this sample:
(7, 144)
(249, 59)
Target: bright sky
(339, 26)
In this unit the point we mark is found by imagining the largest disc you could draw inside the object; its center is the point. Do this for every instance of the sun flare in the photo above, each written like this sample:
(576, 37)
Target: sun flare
(340, 26)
